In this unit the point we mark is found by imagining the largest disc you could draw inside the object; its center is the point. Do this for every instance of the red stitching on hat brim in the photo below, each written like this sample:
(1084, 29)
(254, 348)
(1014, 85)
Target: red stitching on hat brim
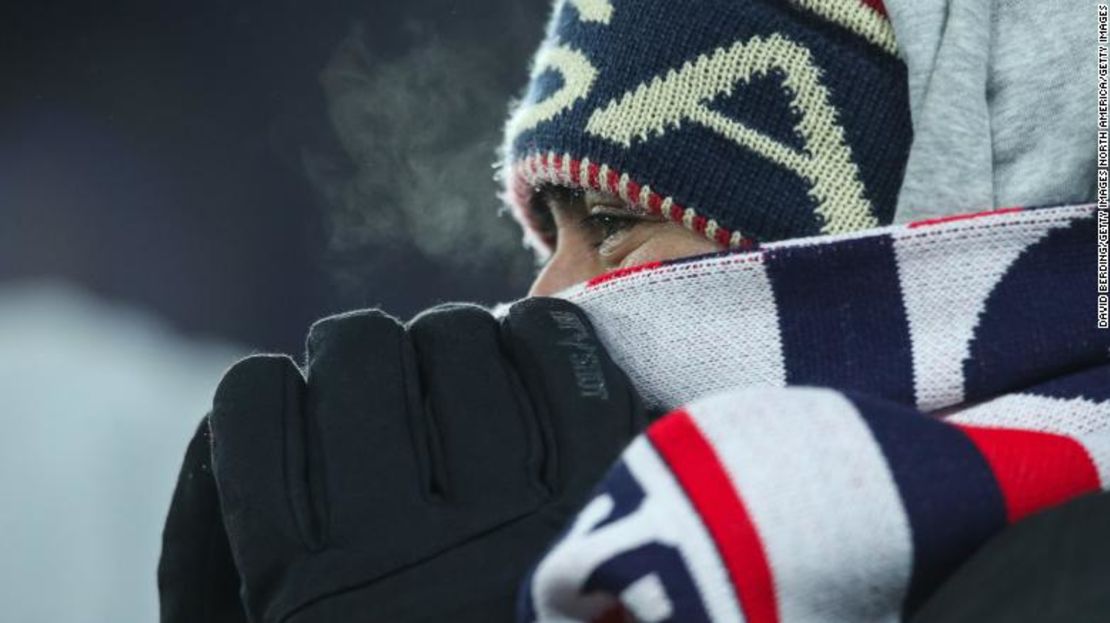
(536, 169)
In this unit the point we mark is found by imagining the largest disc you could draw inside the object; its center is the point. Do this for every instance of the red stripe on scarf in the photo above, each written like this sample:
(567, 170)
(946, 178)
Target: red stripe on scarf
(698, 469)
(1034, 470)
(962, 217)
(622, 272)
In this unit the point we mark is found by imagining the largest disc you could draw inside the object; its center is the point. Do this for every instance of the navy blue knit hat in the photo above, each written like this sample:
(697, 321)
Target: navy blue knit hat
(744, 120)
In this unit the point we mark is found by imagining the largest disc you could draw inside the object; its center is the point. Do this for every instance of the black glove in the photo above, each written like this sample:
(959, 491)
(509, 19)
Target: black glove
(197, 580)
(418, 472)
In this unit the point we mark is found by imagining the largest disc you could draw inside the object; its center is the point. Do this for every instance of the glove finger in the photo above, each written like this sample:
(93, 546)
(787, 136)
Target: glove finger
(360, 394)
(255, 416)
(197, 579)
(587, 401)
(490, 448)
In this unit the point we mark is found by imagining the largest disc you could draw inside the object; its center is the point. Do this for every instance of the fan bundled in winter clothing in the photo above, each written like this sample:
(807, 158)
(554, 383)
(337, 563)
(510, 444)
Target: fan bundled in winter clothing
(859, 398)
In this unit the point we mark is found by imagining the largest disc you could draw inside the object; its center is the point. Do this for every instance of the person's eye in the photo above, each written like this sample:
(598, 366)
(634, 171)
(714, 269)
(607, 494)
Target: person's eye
(604, 227)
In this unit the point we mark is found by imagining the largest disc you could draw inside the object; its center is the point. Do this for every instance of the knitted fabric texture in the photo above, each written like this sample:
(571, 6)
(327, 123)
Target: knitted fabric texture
(956, 384)
(744, 121)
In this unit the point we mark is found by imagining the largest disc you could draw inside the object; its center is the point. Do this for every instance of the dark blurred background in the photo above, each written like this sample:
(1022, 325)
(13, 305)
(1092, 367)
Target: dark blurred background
(241, 168)
(184, 183)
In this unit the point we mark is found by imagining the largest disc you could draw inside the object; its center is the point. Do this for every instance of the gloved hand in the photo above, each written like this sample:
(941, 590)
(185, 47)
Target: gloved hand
(197, 580)
(417, 472)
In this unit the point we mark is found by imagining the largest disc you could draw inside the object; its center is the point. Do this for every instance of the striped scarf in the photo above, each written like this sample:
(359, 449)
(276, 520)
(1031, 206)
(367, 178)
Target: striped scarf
(861, 413)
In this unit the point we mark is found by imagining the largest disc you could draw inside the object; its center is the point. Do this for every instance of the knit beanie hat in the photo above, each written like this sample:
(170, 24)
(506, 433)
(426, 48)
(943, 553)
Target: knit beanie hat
(744, 120)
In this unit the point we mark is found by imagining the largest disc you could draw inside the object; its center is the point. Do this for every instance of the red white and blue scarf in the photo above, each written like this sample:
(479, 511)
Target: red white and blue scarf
(861, 413)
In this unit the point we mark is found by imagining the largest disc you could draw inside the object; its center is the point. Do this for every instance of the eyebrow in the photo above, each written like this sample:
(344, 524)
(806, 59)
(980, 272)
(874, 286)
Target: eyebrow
(553, 192)
(543, 196)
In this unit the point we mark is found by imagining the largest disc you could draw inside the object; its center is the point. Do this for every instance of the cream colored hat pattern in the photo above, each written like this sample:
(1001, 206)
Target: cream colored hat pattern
(744, 121)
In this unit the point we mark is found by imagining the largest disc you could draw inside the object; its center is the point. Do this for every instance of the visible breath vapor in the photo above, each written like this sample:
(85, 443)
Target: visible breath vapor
(419, 132)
